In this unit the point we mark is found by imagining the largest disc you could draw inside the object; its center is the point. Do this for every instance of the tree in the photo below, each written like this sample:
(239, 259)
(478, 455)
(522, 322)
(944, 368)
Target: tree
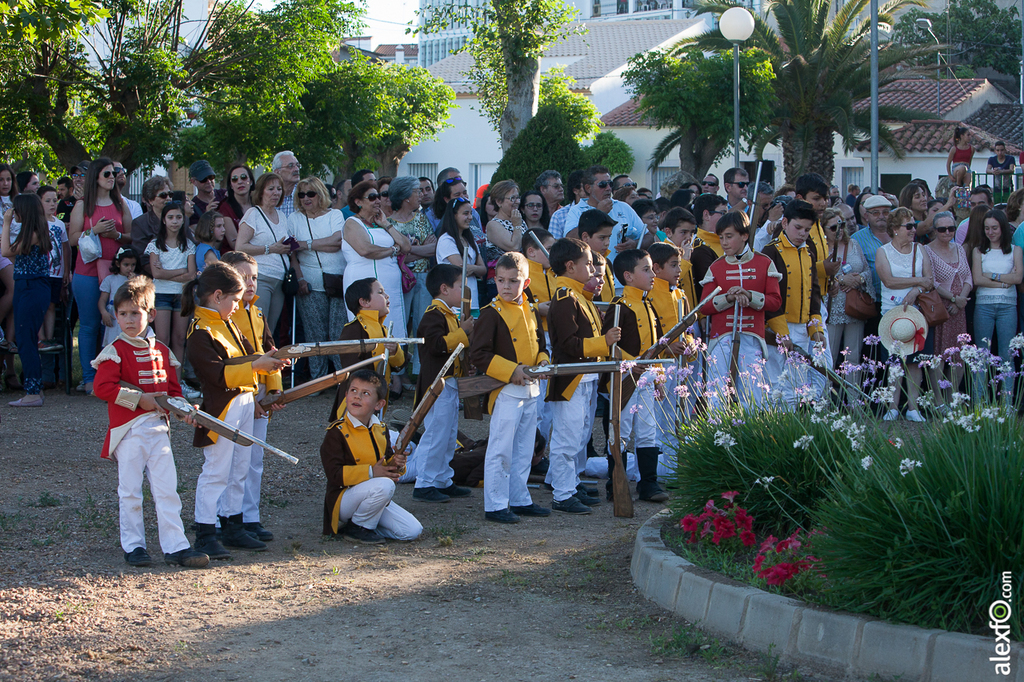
(977, 34)
(509, 38)
(580, 112)
(33, 21)
(822, 68)
(123, 89)
(545, 144)
(608, 150)
(692, 94)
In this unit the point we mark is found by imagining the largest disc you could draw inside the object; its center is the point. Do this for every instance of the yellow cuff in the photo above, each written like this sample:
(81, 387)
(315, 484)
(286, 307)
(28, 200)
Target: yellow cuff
(398, 359)
(815, 325)
(354, 475)
(595, 347)
(501, 368)
(239, 376)
(274, 382)
(779, 325)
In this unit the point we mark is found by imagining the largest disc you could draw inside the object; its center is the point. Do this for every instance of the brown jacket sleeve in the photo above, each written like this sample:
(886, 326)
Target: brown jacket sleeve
(482, 345)
(209, 360)
(564, 329)
(701, 259)
(630, 341)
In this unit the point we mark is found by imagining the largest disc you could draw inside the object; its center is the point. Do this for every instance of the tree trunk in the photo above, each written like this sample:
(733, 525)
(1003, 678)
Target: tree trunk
(697, 153)
(389, 159)
(805, 150)
(523, 93)
(823, 157)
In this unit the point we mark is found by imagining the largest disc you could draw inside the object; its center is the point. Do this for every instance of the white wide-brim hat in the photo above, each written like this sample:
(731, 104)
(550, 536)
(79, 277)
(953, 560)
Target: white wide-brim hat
(908, 327)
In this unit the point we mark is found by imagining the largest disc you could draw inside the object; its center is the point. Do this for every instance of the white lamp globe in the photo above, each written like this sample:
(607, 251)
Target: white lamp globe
(736, 24)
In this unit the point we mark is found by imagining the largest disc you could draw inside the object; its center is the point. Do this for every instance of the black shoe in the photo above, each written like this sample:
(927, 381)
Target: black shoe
(585, 490)
(454, 491)
(570, 506)
(587, 499)
(207, 543)
(364, 536)
(531, 510)
(257, 530)
(502, 516)
(430, 495)
(188, 557)
(233, 535)
(652, 493)
(138, 557)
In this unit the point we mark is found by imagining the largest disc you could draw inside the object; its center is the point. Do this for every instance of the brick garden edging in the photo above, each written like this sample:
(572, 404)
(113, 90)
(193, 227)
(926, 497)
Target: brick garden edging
(856, 645)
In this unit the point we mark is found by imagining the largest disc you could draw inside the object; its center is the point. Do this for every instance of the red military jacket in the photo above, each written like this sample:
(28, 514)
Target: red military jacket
(144, 363)
(756, 273)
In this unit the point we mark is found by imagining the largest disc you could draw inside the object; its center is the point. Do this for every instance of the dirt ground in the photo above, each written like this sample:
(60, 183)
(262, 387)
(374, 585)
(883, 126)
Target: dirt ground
(547, 599)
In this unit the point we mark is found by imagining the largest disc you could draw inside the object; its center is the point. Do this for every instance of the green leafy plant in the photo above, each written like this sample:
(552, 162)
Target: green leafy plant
(608, 150)
(547, 143)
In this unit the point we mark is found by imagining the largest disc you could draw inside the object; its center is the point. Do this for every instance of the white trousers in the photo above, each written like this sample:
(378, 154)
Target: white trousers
(254, 479)
(440, 438)
(509, 452)
(226, 467)
(573, 422)
(597, 467)
(146, 448)
(750, 366)
(638, 420)
(368, 504)
(796, 379)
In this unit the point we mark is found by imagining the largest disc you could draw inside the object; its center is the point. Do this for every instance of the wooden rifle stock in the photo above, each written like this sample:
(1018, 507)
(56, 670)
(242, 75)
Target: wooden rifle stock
(472, 406)
(316, 385)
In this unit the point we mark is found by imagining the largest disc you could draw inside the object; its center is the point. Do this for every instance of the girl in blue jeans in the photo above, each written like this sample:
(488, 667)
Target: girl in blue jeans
(30, 250)
(997, 267)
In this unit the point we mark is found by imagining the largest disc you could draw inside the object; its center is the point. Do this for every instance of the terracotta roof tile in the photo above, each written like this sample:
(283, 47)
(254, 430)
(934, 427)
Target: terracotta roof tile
(623, 116)
(936, 137)
(920, 94)
(1001, 120)
(412, 50)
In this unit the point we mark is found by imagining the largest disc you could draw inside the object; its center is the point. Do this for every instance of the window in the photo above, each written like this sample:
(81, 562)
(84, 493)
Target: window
(596, 11)
(852, 176)
(893, 183)
(480, 174)
(423, 170)
(662, 174)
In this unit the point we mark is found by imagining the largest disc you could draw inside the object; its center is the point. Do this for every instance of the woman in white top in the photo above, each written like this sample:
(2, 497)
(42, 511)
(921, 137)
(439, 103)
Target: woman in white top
(505, 232)
(318, 227)
(905, 272)
(371, 246)
(263, 234)
(996, 266)
(457, 241)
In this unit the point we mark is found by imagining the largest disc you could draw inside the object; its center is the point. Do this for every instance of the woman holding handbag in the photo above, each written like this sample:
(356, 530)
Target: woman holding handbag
(845, 330)
(100, 223)
(906, 274)
(319, 269)
(263, 234)
(953, 283)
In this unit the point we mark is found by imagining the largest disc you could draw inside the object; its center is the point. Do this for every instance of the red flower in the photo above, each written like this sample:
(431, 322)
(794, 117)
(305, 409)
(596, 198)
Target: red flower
(743, 519)
(768, 543)
(783, 545)
(757, 563)
(688, 523)
(747, 538)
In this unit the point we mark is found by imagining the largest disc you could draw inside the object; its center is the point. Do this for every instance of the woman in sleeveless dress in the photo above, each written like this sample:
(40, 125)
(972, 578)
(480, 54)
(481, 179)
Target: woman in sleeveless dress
(952, 271)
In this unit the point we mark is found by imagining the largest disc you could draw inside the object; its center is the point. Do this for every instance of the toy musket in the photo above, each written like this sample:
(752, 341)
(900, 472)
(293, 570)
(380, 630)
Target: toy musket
(659, 347)
(482, 384)
(537, 243)
(472, 409)
(182, 409)
(420, 413)
(316, 385)
(622, 498)
(387, 354)
(734, 360)
(309, 350)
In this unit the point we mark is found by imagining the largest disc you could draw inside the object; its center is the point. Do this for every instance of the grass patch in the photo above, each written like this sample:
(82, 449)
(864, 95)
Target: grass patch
(687, 641)
(448, 532)
(513, 580)
(48, 499)
(10, 521)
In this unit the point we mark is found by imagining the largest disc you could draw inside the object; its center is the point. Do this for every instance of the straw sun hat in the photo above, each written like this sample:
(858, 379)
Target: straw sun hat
(908, 327)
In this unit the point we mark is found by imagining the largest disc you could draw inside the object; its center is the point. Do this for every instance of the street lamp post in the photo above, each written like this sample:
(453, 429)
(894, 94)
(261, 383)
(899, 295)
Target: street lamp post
(926, 25)
(736, 24)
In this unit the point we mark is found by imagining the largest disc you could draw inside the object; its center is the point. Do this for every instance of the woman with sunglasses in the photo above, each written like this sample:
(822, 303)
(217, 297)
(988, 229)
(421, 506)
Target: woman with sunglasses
(240, 181)
(844, 331)
(905, 272)
(102, 213)
(156, 192)
(954, 282)
(371, 247)
(384, 187)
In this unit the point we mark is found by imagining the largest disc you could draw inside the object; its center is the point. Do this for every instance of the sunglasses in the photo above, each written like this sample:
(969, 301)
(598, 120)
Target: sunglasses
(306, 195)
(719, 212)
(236, 178)
(741, 185)
(908, 226)
(944, 230)
(118, 170)
(165, 195)
(372, 197)
(210, 178)
(292, 166)
(451, 181)
(627, 184)
(384, 195)
(709, 184)
(835, 227)
(604, 183)
(78, 175)
(108, 174)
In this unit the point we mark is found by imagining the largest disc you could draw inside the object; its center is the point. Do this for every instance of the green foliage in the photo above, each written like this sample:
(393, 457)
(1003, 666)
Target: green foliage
(34, 21)
(979, 33)
(556, 90)
(608, 150)
(691, 93)
(820, 54)
(545, 144)
(930, 547)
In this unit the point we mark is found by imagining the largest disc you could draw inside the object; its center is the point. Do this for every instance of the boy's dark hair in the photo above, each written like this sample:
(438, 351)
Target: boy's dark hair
(358, 176)
(663, 204)
(513, 260)
(627, 261)
(43, 189)
(138, 290)
(541, 234)
(662, 252)
(643, 206)
(800, 210)
(234, 258)
(675, 216)
(368, 376)
(737, 220)
(442, 273)
(597, 259)
(811, 182)
(706, 202)
(565, 251)
(358, 290)
(216, 276)
(593, 221)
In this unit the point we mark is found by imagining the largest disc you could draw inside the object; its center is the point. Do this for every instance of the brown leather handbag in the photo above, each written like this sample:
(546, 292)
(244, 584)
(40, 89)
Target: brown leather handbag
(930, 304)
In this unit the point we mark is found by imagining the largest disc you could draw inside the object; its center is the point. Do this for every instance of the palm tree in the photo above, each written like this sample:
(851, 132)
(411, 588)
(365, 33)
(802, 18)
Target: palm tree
(822, 69)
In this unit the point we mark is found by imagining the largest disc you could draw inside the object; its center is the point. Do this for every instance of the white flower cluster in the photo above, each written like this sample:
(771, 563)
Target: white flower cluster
(883, 394)
(897, 443)
(1017, 343)
(764, 481)
(867, 462)
(724, 440)
(967, 422)
(803, 442)
(959, 400)
(908, 465)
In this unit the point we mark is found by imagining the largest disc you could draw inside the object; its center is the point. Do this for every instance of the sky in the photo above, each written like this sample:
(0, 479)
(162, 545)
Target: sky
(386, 20)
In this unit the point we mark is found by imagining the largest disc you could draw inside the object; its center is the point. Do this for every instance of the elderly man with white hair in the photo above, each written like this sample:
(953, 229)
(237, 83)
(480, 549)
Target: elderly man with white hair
(287, 166)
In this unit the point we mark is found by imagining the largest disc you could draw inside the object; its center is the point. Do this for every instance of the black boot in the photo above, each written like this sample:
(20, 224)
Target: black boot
(648, 488)
(236, 536)
(206, 542)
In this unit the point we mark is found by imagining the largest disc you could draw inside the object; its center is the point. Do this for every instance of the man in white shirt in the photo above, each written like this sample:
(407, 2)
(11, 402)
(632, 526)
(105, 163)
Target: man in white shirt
(122, 182)
(597, 183)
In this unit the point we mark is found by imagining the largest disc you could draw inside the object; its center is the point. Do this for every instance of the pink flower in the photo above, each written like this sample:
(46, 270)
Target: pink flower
(688, 523)
(730, 496)
(757, 563)
(768, 543)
